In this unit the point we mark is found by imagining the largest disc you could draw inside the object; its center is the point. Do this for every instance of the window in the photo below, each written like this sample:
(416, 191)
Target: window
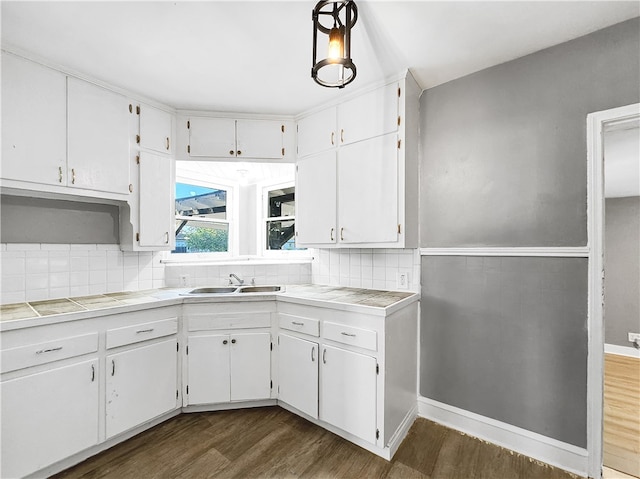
(202, 222)
(279, 221)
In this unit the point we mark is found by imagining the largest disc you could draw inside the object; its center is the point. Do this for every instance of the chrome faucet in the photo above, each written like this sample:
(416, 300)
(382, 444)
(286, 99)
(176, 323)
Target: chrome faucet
(240, 281)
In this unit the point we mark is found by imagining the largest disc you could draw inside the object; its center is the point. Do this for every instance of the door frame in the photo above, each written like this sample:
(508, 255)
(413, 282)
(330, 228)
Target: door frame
(596, 123)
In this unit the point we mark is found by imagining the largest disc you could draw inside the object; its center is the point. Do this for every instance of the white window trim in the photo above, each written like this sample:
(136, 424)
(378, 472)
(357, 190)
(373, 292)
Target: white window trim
(263, 209)
(232, 214)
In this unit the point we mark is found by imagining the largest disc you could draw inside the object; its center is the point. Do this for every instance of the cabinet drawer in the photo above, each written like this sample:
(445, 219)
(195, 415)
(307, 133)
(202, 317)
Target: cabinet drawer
(229, 321)
(141, 332)
(362, 338)
(300, 324)
(41, 353)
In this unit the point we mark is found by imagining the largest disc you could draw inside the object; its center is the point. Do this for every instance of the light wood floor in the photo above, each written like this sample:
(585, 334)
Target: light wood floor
(622, 413)
(271, 442)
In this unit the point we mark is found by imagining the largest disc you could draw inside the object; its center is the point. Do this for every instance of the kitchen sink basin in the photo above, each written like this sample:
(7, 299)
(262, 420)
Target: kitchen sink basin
(214, 290)
(260, 289)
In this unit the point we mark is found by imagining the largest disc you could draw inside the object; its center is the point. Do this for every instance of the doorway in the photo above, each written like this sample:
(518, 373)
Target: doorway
(613, 434)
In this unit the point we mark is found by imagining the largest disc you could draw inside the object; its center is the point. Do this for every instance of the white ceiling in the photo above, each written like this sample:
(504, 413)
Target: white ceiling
(255, 57)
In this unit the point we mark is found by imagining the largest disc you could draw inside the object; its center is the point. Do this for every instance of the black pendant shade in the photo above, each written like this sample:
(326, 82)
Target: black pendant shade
(332, 23)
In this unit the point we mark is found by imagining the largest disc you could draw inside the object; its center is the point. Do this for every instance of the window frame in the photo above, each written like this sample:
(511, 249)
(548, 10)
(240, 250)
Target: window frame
(232, 213)
(263, 218)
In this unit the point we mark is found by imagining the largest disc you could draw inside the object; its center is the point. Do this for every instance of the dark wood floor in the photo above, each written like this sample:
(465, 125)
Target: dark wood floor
(273, 443)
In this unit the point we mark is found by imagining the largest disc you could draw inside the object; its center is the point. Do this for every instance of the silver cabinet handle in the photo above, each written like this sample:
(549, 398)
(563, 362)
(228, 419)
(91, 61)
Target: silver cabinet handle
(59, 174)
(167, 143)
(341, 136)
(324, 356)
(332, 137)
(341, 234)
(348, 334)
(297, 323)
(331, 234)
(313, 354)
(50, 350)
(166, 238)
(73, 176)
(93, 373)
(144, 331)
(113, 367)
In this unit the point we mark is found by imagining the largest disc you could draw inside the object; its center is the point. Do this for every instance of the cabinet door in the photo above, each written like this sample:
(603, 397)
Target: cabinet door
(250, 366)
(34, 117)
(369, 115)
(298, 374)
(47, 417)
(368, 191)
(260, 139)
(155, 129)
(316, 199)
(98, 141)
(155, 196)
(208, 375)
(348, 392)
(141, 385)
(215, 137)
(317, 132)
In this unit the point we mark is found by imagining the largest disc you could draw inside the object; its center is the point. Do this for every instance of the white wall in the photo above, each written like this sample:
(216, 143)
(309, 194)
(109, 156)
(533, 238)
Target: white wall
(38, 271)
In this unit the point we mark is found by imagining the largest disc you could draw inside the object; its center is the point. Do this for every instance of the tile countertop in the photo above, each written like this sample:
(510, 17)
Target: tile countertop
(19, 315)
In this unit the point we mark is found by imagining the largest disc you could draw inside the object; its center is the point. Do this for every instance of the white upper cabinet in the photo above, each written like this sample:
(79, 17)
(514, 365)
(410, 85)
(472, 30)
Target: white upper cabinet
(156, 209)
(369, 115)
(156, 127)
(98, 138)
(368, 191)
(210, 137)
(34, 129)
(317, 132)
(375, 180)
(316, 199)
(215, 137)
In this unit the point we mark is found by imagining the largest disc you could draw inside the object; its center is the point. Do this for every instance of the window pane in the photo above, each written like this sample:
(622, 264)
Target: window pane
(280, 235)
(282, 202)
(193, 236)
(193, 200)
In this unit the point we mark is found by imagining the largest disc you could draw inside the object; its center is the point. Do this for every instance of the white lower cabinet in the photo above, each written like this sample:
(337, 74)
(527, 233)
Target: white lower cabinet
(48, 416)
(348, 392)
(298, 373)
(228, 367)
(141, 384)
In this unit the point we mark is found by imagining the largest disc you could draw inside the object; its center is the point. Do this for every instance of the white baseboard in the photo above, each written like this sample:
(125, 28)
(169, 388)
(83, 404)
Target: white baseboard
(622, 350)
(542, 448)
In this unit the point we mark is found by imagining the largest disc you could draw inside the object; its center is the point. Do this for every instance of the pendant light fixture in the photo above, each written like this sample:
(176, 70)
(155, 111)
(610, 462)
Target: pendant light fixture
(332, 23)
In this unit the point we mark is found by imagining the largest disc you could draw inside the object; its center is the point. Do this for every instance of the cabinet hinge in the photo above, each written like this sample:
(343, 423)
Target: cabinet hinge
(188, 148)
(398, 229)
(138, 139)
(377, 369)
(278, 389)
(377, 433)
(271, 346)
(399, 92)
(137, 236)
(399, 143)
(399, 121)
(271, 384)
(187, 350)
(177, 394)
(188, 124)
(282, 128)
(283, 152)
(177, 346)
(138, 159)
(137, 109)
(187, 389)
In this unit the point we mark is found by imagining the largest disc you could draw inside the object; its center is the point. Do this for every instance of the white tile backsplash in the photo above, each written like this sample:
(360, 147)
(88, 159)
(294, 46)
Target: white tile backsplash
(366, 268)
(32, 272)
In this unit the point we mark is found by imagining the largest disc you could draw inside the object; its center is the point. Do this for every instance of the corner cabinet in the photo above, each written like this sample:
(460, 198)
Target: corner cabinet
(224, 138)
(370, 197)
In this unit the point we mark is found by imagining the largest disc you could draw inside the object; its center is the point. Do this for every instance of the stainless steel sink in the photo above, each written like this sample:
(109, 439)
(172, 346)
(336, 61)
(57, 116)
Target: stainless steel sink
(214, 290)
(260, 289)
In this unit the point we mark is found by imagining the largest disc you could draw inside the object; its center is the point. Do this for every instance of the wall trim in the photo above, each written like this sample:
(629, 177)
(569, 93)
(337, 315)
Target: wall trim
(548, 450)
(628, 351)
(561, 252)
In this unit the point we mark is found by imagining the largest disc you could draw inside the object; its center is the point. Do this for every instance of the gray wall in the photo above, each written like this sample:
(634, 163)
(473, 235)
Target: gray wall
(622, 269)
(36, 220)
(504, 163)
(504, 150)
